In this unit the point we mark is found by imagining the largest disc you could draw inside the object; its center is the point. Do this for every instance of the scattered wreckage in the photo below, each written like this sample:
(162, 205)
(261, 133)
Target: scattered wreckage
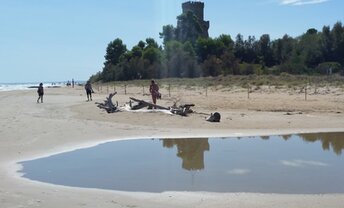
(137, 104)
(182, 110)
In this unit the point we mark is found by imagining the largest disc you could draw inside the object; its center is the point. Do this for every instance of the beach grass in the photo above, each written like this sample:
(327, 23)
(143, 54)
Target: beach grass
(281, 81)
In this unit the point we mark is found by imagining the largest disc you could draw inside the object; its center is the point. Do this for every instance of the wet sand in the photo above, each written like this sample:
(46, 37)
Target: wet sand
(65, 121)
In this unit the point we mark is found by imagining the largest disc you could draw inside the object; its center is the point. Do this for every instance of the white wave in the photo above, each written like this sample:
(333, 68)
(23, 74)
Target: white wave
(22, 86)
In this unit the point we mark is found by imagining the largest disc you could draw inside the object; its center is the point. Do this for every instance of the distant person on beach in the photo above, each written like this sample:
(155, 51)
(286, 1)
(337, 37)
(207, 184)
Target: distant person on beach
(89, 91)
(73, 83)
(40, 92)
(154, 90)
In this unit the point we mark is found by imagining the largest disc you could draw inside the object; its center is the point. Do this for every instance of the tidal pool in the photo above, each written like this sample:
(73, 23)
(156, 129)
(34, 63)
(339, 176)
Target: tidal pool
(298, 164)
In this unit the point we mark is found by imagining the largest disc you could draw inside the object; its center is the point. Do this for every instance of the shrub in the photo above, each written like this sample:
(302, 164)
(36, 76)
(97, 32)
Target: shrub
(247, 69)
(329, 68)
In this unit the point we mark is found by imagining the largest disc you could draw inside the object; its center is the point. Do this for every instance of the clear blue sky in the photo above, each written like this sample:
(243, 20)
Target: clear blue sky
(57, 40)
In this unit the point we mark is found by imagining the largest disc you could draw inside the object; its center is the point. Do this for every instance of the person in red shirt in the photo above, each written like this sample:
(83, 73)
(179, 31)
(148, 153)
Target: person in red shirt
(154, 90)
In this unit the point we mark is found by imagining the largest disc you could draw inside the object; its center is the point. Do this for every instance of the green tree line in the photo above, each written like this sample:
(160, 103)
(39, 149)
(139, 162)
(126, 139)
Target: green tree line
(314, 52)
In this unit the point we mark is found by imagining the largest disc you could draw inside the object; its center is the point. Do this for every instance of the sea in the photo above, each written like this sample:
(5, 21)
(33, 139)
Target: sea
(28, 85)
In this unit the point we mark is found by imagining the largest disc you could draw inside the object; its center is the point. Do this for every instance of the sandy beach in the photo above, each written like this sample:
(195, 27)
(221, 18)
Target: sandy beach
(65, 121)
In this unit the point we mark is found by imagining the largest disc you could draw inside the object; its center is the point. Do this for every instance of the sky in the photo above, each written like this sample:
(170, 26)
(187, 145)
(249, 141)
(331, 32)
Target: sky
(60, 40)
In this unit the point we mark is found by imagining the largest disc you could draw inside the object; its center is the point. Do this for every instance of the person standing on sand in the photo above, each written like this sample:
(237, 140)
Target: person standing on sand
(40, 92)
(154, 90)
(89, 90)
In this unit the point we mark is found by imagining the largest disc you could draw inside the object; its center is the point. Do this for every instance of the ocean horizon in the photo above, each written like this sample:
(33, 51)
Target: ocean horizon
(30, 85)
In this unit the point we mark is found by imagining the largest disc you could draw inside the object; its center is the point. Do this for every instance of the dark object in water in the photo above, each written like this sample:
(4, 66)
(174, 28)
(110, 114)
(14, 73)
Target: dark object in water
(216, 117)
(53, 86)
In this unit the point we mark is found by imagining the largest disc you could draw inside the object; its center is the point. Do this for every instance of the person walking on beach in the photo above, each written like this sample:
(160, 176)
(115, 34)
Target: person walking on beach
(154, 90)
(40, 92)
(89, 90)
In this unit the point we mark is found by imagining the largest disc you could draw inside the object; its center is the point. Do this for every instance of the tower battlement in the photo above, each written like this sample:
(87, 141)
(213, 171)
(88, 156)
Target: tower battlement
(195, 7)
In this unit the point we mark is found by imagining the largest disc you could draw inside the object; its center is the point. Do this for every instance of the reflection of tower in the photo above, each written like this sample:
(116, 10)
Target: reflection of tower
(190, 150)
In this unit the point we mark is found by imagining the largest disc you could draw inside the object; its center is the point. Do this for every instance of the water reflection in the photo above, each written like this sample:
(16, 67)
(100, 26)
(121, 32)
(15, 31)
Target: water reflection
(191, 151)
(295, 164)
(332, 140)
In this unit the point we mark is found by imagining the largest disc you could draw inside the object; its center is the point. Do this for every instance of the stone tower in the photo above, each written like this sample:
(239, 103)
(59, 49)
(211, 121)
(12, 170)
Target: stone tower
(199, 30)
(195, 7)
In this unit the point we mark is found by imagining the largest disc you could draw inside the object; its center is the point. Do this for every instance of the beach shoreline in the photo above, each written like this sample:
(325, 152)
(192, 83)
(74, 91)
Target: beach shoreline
(66, 122)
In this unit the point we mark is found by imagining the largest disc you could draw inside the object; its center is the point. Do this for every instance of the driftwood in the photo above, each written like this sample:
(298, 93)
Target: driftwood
(182, 110)
(138, 106)
(143, 104)
(108, 104)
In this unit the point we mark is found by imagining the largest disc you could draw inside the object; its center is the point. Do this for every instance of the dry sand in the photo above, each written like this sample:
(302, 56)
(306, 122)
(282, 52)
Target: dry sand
(66, 121)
